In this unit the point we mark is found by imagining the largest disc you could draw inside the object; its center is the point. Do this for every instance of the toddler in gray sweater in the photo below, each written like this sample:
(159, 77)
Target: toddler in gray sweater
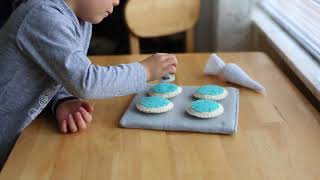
(43, 63)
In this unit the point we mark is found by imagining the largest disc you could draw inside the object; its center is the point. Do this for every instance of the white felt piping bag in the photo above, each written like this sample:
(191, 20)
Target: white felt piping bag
(231, 73)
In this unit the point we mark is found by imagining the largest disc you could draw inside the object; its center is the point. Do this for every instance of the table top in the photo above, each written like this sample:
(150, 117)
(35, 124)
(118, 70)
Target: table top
(278, 137)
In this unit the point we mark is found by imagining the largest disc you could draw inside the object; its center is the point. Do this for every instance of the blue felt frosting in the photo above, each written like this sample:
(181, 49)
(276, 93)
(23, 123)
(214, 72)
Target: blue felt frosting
(210, 90)
(204, 105)
(163, 88)
(154, 102)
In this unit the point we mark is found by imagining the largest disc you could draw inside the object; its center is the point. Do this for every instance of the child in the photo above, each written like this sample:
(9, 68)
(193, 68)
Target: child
(43, 63)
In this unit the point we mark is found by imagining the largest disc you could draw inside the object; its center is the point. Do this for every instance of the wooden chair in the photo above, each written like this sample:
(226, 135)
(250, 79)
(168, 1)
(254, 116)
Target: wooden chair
(156, 18)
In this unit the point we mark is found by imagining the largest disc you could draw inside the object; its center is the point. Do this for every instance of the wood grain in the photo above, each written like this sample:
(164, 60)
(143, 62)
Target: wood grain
(151, 19)
(278, 136)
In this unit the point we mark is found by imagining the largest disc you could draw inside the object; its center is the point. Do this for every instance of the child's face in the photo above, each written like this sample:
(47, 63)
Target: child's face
(94, 11)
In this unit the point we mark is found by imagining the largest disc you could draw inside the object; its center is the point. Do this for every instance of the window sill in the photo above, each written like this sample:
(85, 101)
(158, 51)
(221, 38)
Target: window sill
(298, 59)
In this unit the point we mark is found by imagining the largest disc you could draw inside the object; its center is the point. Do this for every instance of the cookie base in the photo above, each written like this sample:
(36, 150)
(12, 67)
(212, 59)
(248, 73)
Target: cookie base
(211, 97)
(205, 115)
(167, 95)
(155, 110)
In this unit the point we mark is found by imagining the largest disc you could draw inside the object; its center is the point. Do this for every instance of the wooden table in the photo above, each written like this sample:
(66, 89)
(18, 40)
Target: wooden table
(278, 138)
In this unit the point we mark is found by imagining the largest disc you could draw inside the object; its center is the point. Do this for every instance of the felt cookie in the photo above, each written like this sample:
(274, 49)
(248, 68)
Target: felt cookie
(154, 104)
(165, 90)
(205, 108)
(212, 92)
(168, 78)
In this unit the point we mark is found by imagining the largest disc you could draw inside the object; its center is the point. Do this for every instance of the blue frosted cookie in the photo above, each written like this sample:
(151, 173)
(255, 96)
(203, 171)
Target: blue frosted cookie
(205, 108)
(212, 92)
(165, 90)
(154, 104)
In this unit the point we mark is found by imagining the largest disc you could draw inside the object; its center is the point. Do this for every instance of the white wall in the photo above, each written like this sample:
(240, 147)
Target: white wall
(205, 29)
(224, 25)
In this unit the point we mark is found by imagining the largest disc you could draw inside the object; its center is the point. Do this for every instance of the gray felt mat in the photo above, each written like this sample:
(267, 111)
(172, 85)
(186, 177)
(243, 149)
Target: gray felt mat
(178, 120)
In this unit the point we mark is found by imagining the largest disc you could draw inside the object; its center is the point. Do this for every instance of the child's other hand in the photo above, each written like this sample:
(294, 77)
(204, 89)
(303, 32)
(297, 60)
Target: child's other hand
(159, 65)
(73, 115)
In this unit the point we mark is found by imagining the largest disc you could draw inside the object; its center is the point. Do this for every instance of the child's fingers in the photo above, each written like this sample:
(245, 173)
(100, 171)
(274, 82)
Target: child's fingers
(79, 121)
(161, 53)
(170, 62)
(63, 126)
(165, 56)
(85, 115)
(170, 69)
(88, 106)
(71, 124)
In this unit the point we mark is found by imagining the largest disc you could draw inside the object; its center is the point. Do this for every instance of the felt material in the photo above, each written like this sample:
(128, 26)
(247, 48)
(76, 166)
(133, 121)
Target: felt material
(164, 88)
(210, 90)
(168, 78)
(154, 102)
(204, 105)
(231, 73)
(179, 120)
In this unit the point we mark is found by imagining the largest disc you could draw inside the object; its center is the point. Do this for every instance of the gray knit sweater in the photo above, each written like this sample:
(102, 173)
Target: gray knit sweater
(43, 49)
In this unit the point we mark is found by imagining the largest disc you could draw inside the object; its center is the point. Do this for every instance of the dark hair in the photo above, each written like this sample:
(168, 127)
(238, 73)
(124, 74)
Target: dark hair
(6, 8)
(16, 3)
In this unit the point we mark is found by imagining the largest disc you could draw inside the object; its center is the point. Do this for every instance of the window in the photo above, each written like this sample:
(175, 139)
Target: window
(300, 18)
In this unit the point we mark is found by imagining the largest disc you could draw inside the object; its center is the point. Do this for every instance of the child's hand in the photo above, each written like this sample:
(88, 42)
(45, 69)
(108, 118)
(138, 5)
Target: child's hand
(159, 65)
(73, 115)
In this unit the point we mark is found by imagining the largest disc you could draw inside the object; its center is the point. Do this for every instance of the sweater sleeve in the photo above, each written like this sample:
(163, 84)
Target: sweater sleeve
(62, 95)
(50, 39)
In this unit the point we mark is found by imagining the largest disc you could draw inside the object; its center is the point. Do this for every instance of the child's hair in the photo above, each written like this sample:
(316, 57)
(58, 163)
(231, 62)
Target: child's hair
(5, 11)
(15, 3)
(7, 8)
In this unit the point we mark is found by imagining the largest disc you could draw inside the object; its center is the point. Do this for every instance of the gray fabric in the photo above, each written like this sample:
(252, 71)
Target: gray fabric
(178, 120)
(43, 58)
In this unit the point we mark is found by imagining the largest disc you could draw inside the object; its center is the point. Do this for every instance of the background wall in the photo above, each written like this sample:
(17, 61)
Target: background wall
(224, 25)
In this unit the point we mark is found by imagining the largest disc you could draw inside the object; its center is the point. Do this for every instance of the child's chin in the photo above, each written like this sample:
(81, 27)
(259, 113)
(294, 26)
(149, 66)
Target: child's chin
(96, 20)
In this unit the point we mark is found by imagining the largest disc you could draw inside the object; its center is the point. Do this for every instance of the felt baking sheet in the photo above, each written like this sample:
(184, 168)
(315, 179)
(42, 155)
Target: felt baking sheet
(179, 120)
